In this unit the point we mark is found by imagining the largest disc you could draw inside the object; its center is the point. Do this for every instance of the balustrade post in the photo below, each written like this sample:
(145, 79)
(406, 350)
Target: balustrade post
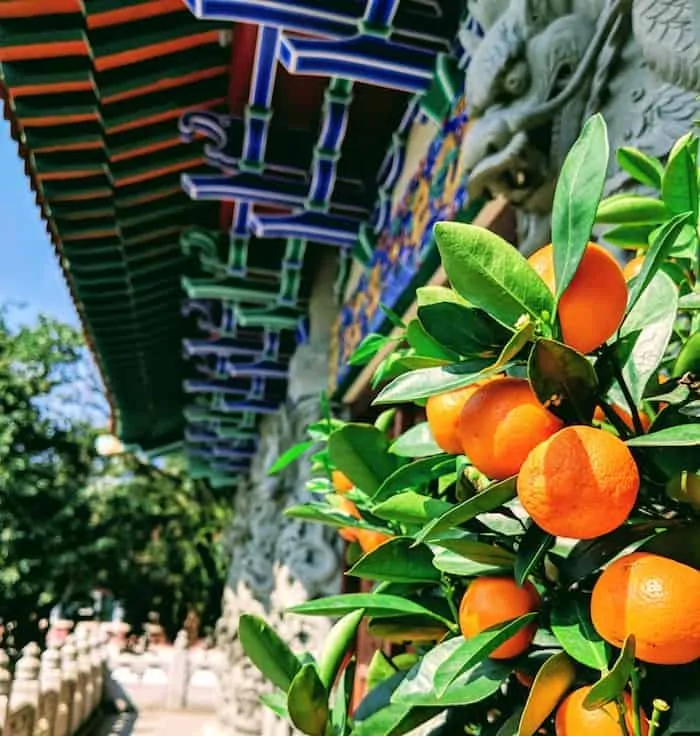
(178, 676)
(69, 695)
(50, 677)
(97, 657)
(85, 673)
(25, 697)
(5, 688)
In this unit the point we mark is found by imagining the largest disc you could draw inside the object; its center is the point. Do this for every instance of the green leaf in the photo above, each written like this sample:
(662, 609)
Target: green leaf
(515, 345)
(687, 435)
(563, 380)
(427, 295)
(553, 680)
(394, 720)
(307, 702)
(571, 624)
(578, 191)
(632, 237)
(456, 564)
(325, 514)
(375, 604)
(472, 686)
(474, 650)
(396, 562)
(681, 545)
(418, 441)
(425, 345)
(614, 682)
(336, 644)
(362, 453)
(341, 700)
(657, 253)
(384, 421)
(371, 344)
(645, 169)
(489, 499)
(411, 508)
(632, 209)
(415, 475)
(690, 301)
(427, 382)
(652, 321)
(534, 546)
(392, 316)
(288, 457)
(491, 274)
(267, 651)
(482, 552)
(680, 180)
(467, 331)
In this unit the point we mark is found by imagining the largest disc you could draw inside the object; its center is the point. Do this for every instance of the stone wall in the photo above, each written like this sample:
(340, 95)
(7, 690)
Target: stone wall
(278, 562)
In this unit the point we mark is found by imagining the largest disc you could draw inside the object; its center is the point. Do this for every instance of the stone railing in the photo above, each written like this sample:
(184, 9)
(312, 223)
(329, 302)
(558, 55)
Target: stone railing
(54, 692)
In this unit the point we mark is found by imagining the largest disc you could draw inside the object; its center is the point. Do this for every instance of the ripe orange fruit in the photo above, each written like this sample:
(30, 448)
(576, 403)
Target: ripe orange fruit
(499, 425)
(633, 267)
(580, 483)
(341, 482)
(593, 305)
(573, 719)
(626, 417)
(349, 534)
(490, 601)
(654, 598)
(442, 412)
(369, 540)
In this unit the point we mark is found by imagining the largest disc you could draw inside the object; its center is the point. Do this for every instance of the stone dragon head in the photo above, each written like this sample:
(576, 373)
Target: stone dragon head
(543, 66)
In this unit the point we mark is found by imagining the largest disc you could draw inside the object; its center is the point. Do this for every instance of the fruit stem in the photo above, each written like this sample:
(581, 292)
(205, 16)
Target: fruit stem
(636, 421)
(636, 719)
(621, 713)
(660, 706)
(449, 591)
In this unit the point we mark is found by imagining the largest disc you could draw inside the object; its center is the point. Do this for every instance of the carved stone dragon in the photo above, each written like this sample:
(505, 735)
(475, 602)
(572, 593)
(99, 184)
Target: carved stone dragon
(544, 66)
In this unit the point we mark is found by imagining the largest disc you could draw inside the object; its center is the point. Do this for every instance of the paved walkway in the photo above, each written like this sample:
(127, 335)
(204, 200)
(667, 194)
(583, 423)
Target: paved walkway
(174, 723)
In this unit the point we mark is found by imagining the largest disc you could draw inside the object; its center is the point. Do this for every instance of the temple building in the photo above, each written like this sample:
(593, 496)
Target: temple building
(237, 190)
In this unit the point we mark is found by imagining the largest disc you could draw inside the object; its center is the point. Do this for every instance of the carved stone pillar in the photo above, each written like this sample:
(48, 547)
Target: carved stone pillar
(278, 562)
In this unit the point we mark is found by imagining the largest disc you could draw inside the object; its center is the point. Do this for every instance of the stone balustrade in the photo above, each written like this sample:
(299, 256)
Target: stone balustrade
(54, 692)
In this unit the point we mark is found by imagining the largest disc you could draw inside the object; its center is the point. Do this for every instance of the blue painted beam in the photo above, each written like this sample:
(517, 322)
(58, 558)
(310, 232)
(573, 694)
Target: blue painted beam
(320, 227)
(366, 59)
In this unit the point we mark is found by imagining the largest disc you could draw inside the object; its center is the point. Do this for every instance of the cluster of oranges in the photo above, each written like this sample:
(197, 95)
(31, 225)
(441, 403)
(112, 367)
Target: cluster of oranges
(367, 539)
(575, 481)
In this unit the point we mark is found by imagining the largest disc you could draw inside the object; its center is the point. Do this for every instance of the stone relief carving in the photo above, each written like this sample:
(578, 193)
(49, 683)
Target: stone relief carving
(276, 562)
(544, 66)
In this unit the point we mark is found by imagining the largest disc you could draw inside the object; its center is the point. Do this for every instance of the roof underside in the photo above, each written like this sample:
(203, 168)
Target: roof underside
(191, 172)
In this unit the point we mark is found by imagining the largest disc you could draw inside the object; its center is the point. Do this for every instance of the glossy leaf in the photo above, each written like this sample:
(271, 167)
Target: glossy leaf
(307, 702)
(476, 649)
(288, 457)
(491, 274)
(267, 651)
(554, 679)
(415, 475)
(467, 331)
(427, 295)
(680, 180)
(362, 453)
(396, 562)
(426, 345)
(394, 720)
(324, 514)
(418, 441)
(481, 552)
(456, 564)
(276, 701)
(472, 686)
(518, 341)
(336, 644)
(687, 435)
(631, 237)
(509, 727)
(421, 384)
(690, 301)
(371, 344)
(645, 169)
(411, 508)
(488, 500)
(614, 682)
(652, 321)
(375, 604)
(658, 252)
(632, 209)
(534, 546)
(379, 698)
(563, 380)
(571, 624)
(578, 191)
(681, 545)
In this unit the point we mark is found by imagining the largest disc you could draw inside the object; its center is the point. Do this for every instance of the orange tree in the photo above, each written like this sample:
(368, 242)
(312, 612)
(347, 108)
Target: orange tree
(534, 545)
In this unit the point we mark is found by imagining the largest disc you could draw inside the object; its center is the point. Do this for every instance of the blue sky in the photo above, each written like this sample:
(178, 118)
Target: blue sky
(29, 271)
